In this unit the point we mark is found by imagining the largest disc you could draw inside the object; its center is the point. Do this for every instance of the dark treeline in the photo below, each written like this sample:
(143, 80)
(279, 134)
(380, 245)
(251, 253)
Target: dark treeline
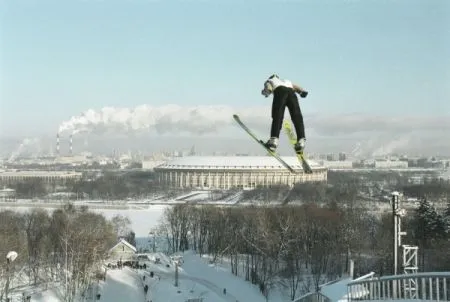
(65, 246)
(435, 189)
(110, 186)
(116, 186)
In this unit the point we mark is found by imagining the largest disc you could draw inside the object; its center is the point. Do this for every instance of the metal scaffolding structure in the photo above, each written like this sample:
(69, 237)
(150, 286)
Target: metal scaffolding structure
(409, 252)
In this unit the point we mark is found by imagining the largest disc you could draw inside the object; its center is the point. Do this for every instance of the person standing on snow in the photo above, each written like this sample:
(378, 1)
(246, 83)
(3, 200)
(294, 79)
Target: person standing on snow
(284, 96)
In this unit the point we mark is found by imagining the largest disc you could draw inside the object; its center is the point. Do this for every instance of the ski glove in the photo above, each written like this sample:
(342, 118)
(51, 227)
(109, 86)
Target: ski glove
(265, 92)
(303, 94)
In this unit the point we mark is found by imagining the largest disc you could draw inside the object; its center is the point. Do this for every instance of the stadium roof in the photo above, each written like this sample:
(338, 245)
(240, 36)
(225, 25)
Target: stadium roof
(234, 162)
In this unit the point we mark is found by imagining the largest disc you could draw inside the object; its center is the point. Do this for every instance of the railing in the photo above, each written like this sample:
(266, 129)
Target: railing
(314, 297)
(433, 286)
(335, 289)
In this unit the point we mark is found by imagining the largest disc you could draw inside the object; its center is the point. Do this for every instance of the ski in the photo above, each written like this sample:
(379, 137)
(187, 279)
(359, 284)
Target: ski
(250, 132)
(293, 140)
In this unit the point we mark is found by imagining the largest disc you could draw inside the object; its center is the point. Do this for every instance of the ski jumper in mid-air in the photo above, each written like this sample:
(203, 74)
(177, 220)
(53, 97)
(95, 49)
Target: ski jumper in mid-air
(284, 96)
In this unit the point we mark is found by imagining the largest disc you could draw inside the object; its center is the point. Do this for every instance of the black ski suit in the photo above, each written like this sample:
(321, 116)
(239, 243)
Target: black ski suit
(285, 97)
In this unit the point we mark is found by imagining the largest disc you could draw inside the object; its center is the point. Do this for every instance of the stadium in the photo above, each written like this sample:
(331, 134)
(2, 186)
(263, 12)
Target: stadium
(242, 172)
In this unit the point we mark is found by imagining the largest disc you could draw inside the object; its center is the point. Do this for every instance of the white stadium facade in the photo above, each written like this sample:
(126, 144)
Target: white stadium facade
(227, 172)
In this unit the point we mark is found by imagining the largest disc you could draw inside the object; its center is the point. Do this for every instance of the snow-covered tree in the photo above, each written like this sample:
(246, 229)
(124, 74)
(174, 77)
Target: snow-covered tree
(429, 227)
(429, 223)
(446, 220)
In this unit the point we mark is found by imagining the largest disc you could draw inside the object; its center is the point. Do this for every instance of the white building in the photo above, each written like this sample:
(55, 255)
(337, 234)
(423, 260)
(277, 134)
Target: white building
(225, 172)
(347, 164)
(391, 164)
(122, 251)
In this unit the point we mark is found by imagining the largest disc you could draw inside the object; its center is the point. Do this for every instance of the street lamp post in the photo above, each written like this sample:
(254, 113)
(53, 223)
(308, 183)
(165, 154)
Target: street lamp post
(10, 257)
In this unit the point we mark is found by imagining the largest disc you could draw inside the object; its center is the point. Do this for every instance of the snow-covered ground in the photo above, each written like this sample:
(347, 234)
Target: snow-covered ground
(142, 221)
(217, 277)
(197, 279)
(122, 285)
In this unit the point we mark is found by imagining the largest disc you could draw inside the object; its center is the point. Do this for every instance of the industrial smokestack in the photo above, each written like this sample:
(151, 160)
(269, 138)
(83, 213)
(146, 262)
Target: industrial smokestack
(57, 144)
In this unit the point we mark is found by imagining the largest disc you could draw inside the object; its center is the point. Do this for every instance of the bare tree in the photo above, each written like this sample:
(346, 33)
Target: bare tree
(121, 225)
(295, 252)
(12, 238)
(177, 227)
(80, 240)
(36, 226)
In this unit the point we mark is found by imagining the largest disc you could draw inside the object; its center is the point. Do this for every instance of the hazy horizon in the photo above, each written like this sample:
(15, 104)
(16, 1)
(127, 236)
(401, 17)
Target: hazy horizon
(377, 71)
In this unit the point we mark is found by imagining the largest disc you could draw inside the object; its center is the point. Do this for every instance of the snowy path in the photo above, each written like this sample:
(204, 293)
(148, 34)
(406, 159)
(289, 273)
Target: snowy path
(122, 285)
(212, 287)
(207, 284)
(216, 278)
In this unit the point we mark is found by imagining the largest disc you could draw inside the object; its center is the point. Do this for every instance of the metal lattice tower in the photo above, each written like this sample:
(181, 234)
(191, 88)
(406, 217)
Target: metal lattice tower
(410, 262)
(410, 266)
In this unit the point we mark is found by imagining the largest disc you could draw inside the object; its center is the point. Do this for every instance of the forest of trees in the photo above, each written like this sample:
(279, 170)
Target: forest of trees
(270, 244)
(66, 246)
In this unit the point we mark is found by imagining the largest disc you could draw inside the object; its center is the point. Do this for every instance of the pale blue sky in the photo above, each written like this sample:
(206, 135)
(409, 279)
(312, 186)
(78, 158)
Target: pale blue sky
(59, 58)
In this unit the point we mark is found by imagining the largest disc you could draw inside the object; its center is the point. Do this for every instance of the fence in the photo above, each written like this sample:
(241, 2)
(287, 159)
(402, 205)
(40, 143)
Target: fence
(314, 297)
(433, 286)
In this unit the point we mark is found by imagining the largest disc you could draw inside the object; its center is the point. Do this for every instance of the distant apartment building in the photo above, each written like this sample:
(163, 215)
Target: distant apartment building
(424, 162)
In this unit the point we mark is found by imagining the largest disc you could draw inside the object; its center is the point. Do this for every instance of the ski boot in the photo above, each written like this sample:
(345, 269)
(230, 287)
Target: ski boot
(300, 146)
(272, 144)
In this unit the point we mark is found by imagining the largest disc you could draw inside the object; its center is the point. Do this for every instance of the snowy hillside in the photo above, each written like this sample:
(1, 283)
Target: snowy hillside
(197, 279)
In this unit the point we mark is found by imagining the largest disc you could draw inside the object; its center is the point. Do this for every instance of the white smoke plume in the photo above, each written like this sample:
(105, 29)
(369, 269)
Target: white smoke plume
(377, 135)
(393, 145)
(24, 147)
(200, 120)
(164, 119)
